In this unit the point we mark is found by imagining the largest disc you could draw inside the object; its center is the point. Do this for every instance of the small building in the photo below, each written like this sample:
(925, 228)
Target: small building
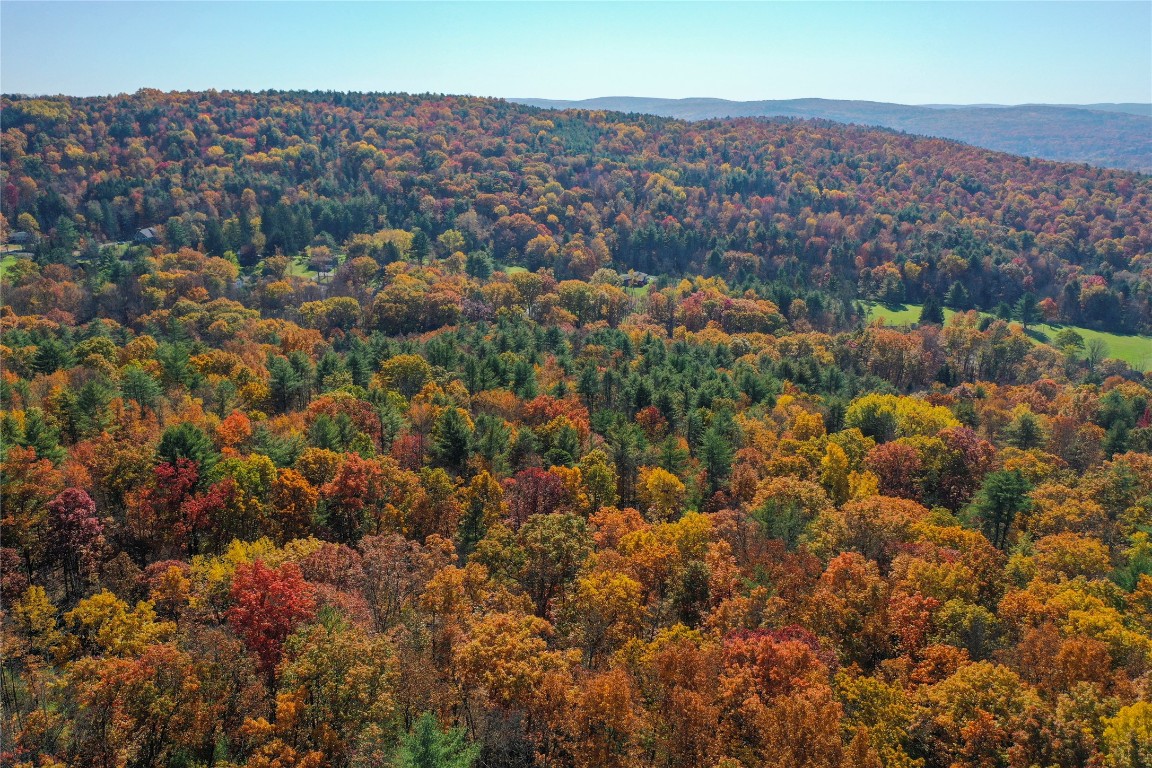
(637, 279)
(19, 237)
(146, 236)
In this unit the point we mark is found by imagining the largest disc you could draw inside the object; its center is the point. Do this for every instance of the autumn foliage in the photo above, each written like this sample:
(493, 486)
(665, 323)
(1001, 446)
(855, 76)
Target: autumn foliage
(383, 448)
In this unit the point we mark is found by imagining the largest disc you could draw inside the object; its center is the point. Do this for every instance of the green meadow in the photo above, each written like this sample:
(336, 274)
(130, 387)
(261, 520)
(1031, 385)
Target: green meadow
(1132, 349)
(9, 259)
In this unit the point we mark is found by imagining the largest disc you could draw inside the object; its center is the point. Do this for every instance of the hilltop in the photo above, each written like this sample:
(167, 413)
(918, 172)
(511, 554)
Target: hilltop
(864, 212)
(1105, 135)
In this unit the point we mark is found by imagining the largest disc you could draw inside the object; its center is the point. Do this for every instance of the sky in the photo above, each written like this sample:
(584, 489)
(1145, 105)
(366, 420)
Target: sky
(906, 52)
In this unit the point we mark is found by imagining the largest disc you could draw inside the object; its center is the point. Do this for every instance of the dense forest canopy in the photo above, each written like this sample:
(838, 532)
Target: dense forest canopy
(1107, 135)
(382, 430)
(858, 211)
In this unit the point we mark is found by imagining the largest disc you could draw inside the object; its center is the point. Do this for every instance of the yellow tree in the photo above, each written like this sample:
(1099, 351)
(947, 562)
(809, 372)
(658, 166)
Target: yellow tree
(506, 657)
(1128, 736)
(606, 609)
(661, 492)
(834, 473)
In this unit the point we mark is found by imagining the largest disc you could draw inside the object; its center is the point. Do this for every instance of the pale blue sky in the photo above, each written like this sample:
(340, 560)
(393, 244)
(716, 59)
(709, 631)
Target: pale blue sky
(908, 52)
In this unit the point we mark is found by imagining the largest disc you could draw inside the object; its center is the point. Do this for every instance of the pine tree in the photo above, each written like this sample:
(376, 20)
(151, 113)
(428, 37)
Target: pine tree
(522, 452)
(452, 441)
(186, 441)
(324, 434)
(214, 242)
(957, 297)
(286, 383)
(524, 380)
(421, 246)
(716, 456)
(587, 386)
(479, 264)
(1027, 311)
(1116, 439)
(429, 747)
(931, 313)
(1002, 496)
(40, 436)
(1025, 431)
(136, 384)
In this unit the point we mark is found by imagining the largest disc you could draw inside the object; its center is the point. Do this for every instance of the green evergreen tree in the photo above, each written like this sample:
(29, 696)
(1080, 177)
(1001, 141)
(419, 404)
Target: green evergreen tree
(472, 528)
(523, 451)
(490, 440)
(957, 297)
(1116, 439)
(65, 236)
(41, 436)
(524, 380)
(176, 234)
(286, 384)
(187, 441)
(716, 456)
(672, 457)
(214, 242)
(67, 415)
(1025, 432)
(479, 264)
(626, 446)
(137, 384)
(51, 355)
(1002, 496)
(282, 449)
(430, 747)
(421, 246)
(931, 313)
(1027, 310)
(324, 434)
(451, 441)
(565, 447)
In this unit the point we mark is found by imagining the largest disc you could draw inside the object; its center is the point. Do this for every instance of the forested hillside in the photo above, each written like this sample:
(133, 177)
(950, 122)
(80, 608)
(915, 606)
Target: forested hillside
(857, 211)
(1107, 135)
(379, 450)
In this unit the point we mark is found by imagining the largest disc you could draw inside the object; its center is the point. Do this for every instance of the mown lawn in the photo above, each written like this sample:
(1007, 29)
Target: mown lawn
(299, 268)
(1132, 349)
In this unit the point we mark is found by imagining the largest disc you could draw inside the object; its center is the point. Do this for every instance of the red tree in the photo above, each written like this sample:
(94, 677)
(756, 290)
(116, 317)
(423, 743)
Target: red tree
(269, 604)
(532, 492)
(899, 468)
(77, 534)
(155, 519)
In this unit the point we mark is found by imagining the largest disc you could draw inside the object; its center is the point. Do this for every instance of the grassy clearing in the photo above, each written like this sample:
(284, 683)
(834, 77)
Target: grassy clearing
(1132, 349)
(10, 259)
(638, 291)
(509, 269)
(901, 314)
(299, 268)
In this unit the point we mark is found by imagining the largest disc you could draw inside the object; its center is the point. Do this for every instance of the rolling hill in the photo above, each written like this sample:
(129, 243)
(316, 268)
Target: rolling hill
(1106, 135)
(865, 211)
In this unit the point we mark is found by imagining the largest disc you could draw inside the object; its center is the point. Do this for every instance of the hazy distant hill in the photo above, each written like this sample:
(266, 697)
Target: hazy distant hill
(1108, 135)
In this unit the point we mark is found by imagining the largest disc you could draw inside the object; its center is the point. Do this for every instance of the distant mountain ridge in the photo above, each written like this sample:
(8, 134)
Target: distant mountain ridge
(1106, 135)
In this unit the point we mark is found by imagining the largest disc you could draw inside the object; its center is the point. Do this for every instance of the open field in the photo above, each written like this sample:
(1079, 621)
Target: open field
(638, 291)
(9, 259)
(299, 268)
(1132, 349)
